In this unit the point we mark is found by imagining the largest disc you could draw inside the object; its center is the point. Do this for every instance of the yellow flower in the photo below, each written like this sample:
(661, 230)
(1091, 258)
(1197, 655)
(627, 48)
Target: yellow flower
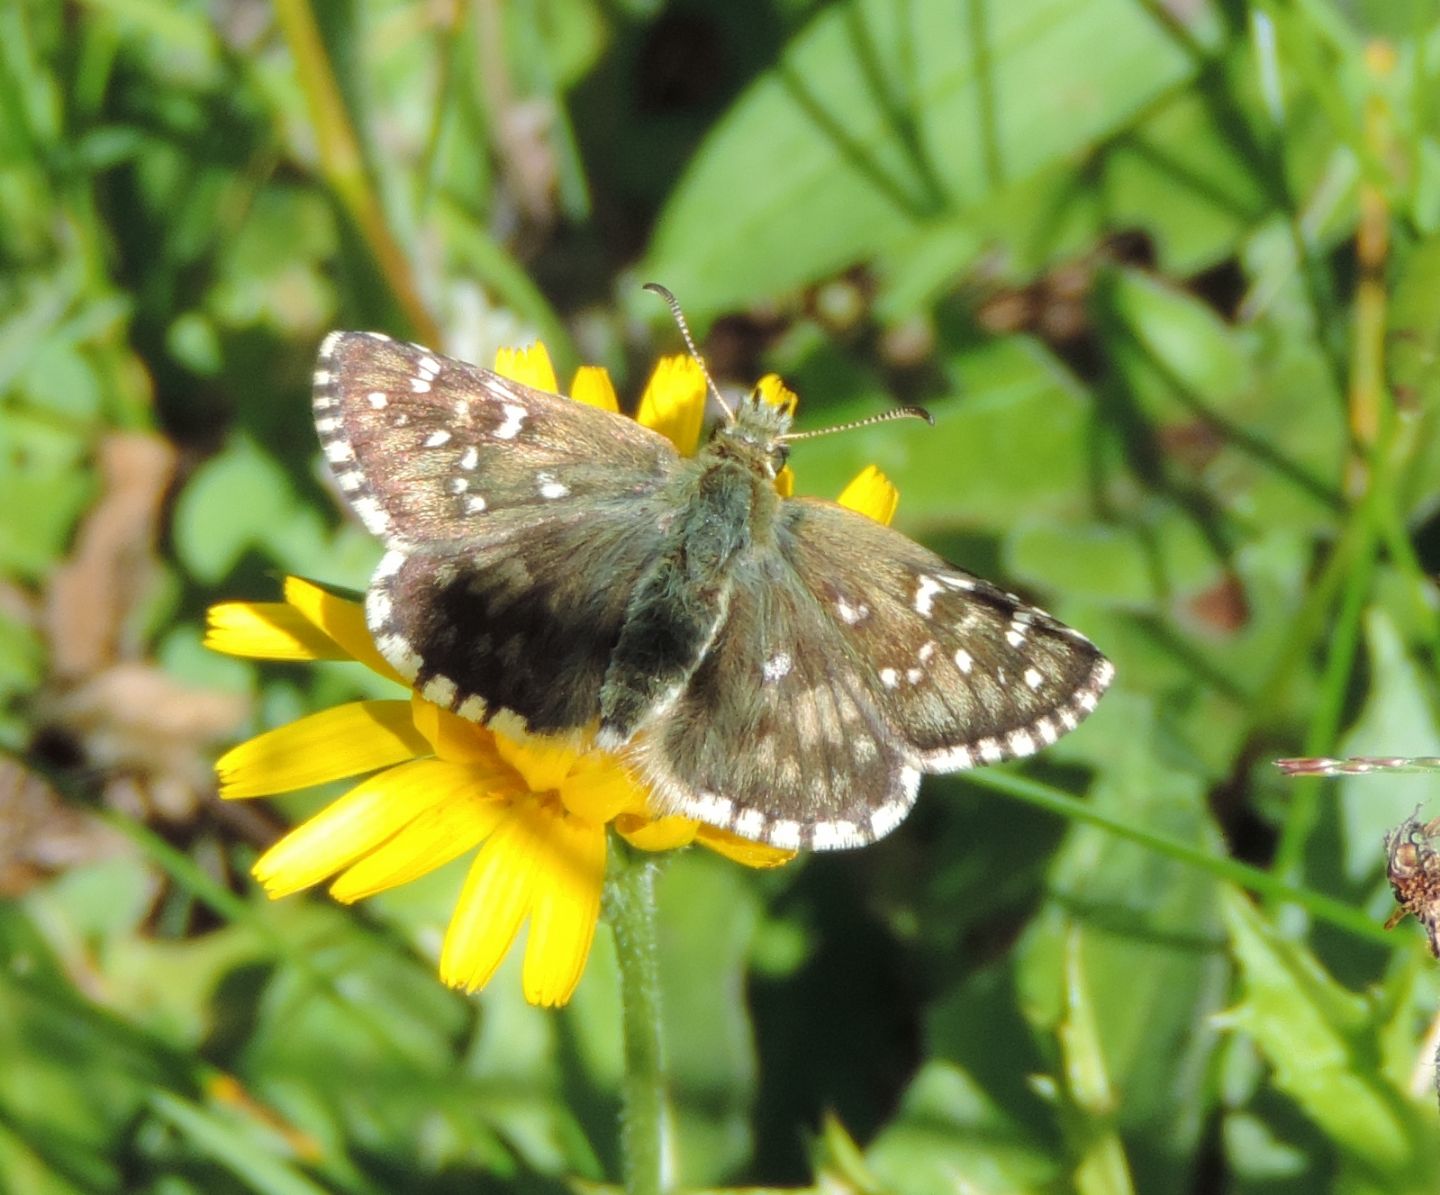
(534, 810)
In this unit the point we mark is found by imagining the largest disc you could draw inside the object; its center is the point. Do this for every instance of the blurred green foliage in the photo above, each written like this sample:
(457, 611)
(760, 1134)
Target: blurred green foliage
(1166, 273)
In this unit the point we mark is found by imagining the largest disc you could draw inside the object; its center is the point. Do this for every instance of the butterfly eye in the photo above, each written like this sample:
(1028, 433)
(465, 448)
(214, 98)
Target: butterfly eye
(779, 455)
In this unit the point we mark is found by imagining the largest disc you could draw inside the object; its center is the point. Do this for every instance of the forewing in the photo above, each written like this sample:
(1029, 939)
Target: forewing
(429, 449)
(524, 624)
(777, 735)
(964, 672)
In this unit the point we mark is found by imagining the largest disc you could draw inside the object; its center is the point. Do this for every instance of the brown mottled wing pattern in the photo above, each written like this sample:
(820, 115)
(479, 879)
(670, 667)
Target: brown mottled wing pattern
(966, 673)
(518, 522)
(778, 736)
(851, 661)
(461, 453)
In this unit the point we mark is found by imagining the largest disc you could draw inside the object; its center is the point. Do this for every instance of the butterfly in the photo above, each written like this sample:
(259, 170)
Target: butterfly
(783, 668)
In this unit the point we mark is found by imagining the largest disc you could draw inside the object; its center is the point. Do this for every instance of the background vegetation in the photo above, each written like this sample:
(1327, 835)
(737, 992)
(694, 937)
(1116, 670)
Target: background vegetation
(1168, 274)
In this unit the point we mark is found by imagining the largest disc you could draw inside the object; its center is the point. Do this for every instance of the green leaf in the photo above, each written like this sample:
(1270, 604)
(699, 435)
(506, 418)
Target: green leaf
(1324, 1045)
(881, 119)
(1147, 933)
(950, 1134)
(981, 462)
(233, 503)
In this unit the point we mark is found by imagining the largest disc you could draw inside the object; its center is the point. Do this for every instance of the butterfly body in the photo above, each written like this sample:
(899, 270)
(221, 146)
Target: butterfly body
(781, 667)
(722, 505)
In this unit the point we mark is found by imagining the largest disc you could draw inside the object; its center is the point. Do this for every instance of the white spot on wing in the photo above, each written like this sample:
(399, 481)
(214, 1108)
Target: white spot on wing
(785, 834)
(377, 399)
(514, 420)
(964, 660)
(371, 514)
(440, 690)
(1034, 678)
(474, 504)
(889, 677)
(925, 595)
(420, 385)
(550, 488)
(470, 457)
(777, 666)
(397, 650)
(437, 438)
(712, 809)
(891, 814)
(390, 564)
(827, 836)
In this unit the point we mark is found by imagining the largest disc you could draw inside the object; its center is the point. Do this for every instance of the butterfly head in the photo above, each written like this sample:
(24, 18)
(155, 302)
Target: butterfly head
(755, 434)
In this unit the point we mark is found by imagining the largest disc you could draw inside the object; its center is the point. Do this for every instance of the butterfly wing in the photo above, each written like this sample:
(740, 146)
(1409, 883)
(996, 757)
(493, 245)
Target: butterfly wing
(966, 673)
(778, 735)
(852, 660)
(518, 523)
(427, 449)
(521, 625)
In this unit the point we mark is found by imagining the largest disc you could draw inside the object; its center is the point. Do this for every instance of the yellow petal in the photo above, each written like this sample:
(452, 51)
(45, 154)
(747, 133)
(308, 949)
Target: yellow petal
(530, 366)
(872, 494)
(543, 760)
(497, 896)
(742, 850)
(785, 482)
(342, 620)
(460, 820)
(457, 739)
(657, 834)
(267, 631)
(593, 387)
(344, 741)
(353, 826)
(674, 402)
(776, 393)
(567, 905)
(598, 787)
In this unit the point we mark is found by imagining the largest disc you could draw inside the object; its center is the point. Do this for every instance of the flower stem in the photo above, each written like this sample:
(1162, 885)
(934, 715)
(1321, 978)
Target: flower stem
(630, 909)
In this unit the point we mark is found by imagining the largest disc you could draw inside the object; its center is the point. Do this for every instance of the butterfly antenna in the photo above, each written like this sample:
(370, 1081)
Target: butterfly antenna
(883, 417)
(674, 304)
